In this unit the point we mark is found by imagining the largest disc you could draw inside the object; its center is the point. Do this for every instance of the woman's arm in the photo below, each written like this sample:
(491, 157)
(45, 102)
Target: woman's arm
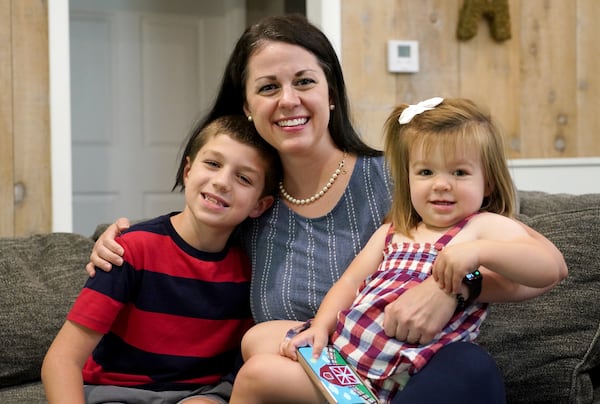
(419, 313)
(61, 369)
(107, 252)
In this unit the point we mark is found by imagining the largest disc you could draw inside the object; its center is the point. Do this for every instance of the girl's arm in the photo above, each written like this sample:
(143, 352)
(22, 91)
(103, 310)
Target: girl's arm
(497, 289)
(502, 246)
(107, 252)
(340, 297)
(61, 369)
(421, 312)
(551, 249)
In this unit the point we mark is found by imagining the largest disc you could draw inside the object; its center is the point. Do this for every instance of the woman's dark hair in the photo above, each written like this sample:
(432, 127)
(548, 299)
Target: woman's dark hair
(293, 29)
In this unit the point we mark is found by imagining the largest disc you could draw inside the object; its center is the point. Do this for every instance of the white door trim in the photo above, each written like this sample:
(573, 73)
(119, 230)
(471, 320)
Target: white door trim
(327, 15)
(60, 115)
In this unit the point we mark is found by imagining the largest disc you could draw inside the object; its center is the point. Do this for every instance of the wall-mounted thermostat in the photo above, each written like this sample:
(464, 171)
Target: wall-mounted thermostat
(403, 56)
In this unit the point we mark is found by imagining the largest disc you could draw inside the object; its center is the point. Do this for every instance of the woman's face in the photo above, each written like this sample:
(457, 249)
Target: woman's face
(288, 98)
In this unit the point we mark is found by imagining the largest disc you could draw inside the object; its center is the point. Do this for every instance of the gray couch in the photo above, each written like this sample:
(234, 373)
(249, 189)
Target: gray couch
(547, 348)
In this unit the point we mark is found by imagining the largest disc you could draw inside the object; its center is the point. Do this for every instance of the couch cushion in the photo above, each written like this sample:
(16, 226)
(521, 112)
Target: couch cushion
(30, 393)
(40, 276)
(532, 203)
(548, 348)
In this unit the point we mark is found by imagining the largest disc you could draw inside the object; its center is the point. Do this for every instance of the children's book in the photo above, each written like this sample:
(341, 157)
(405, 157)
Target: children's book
(336, 379)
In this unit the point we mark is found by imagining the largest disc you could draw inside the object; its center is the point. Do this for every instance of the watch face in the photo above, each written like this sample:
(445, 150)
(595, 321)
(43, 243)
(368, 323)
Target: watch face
(471, 276)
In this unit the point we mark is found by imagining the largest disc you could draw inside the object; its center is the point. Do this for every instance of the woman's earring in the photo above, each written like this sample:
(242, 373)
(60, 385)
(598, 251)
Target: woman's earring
(331, 107)
(249, 118)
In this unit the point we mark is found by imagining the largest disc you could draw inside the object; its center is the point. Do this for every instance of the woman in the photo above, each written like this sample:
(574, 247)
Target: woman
(335, 192)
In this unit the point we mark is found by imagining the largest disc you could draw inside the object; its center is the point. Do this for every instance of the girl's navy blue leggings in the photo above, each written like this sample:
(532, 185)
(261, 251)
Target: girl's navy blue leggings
(460, 373)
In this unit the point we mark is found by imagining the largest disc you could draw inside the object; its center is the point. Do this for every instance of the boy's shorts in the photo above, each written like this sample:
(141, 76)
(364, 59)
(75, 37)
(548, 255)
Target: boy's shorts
(95, 394)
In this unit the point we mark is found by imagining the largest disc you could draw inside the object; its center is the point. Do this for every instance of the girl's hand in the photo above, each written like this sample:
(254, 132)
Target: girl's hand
(453, 263)
(314, 336)
(107, 251)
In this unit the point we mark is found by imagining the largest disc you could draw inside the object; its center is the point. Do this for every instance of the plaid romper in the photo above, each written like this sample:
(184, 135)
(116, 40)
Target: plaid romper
(359, 336)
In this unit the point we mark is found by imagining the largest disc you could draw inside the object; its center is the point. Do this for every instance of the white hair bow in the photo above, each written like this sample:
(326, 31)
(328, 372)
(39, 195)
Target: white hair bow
(409, 112)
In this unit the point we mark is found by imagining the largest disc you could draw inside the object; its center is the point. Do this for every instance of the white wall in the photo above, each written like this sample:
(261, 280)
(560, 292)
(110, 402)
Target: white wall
(566, 175)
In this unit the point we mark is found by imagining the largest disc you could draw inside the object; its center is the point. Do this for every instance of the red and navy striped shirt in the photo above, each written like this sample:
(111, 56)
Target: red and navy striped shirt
(173, 316)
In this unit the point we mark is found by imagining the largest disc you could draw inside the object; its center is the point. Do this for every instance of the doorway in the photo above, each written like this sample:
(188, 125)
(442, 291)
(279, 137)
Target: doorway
(91, 127)
(141, 71)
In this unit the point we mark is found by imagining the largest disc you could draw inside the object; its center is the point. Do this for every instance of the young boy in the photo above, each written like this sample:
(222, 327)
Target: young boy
(167, 324)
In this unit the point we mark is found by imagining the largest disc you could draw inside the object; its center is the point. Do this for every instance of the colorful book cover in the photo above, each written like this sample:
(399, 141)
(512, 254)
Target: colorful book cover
(338, 381)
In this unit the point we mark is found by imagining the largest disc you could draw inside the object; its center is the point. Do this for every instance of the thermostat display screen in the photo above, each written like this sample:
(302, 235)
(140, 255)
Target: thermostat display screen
(404, 51)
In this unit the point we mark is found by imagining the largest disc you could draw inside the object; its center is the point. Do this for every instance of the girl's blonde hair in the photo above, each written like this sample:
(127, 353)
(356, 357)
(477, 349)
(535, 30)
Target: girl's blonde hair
(456, 122)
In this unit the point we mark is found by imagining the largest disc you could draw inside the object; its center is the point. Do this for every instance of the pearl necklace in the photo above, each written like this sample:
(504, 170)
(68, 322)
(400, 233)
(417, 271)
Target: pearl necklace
(319, 194)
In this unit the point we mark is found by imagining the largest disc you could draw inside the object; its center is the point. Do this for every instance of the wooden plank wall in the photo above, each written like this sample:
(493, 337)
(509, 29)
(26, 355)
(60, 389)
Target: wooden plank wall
(541, 85)
(6, 139)
(24, 118)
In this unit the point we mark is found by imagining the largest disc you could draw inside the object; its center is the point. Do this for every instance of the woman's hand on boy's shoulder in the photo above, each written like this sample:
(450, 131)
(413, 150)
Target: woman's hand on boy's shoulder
(107, 252)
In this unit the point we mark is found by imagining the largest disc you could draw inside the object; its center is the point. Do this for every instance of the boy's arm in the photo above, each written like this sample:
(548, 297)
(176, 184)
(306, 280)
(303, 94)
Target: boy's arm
(61, 370)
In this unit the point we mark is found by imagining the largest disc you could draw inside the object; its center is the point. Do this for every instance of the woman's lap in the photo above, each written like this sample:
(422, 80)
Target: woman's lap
(461, 372)
(265, 337)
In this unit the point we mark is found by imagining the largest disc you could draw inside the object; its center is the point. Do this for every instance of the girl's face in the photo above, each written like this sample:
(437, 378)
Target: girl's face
(224, 183)
(446, 187)
(288, 97)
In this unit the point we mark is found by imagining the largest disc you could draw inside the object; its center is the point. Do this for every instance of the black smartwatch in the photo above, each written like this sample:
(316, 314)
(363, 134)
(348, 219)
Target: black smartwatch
(473, 282)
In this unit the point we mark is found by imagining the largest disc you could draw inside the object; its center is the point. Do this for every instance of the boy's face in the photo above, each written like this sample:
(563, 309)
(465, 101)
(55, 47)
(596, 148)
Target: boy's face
(224, 183)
